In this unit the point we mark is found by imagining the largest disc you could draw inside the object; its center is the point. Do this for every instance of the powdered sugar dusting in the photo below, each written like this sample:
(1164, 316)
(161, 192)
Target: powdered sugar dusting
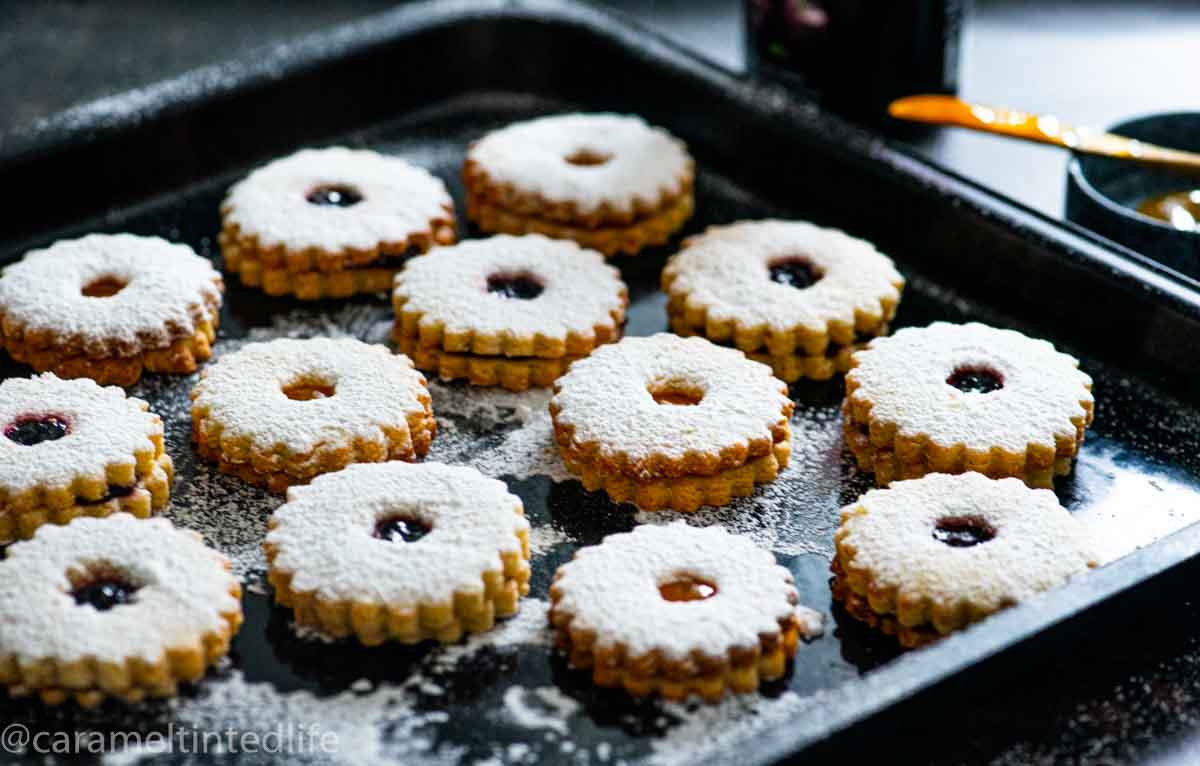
(231, 514)
(709, 729)
(365, 723)
(502, 434)
(644, 164)
(104, 428)
(606, 399)
(543, 707)
(726, 273)
(241, 397)
(525, 446)
(887, 538)
(398, 200)
(448, 287)
(166, 290)
(612, 591)
(902, 379)
(324, 534)
(812, 622)
(791, 515)
(369, 321)
(544, 537)
(183, 591)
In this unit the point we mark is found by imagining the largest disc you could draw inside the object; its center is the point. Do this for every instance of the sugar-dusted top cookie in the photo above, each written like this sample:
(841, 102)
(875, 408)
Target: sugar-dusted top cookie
(300, 398)
(107, 295)
(517, 296)
(644, 404)
(339, 199)
(769, 283)
(72, 437)
(114, 589)
(674, 590)
(972, 385)
(947, 549)
(601, 166)
(399, 534)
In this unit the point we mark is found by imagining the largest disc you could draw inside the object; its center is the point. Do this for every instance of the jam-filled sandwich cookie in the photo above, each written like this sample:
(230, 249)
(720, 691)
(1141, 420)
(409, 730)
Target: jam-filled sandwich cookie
(952, 398)
(677, 610)
(610, 182)
(789, 294)
(330, 223)
(400, 552)
(670, 422)
(279, 413)
(110, 307)
(113, 608)
(509, 311)
(929, 556)
(72, 448)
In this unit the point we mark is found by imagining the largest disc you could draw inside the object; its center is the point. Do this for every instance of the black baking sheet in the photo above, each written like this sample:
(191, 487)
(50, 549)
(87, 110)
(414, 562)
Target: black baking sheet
(967, 254)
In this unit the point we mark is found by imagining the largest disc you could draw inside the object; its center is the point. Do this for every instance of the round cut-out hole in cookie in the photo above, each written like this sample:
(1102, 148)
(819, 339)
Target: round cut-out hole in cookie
(334, 195)
(401, 529)
(104, 287)
(976, 380)
(794, 271)
(687, 588)
(963, 531)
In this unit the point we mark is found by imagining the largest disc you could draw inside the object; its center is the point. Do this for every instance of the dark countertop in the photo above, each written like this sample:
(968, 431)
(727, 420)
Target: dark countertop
(1129, 695)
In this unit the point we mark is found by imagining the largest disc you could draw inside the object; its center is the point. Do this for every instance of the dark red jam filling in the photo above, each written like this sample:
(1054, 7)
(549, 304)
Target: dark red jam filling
(336, 195)
(104, 593)
(520, 286)
(114, 491)
(401, 529)
(794, 272)
(963, 531)
(35, 430)
(976, 380)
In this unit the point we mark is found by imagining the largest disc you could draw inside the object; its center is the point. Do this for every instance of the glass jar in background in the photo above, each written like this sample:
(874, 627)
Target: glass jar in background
(855, 56)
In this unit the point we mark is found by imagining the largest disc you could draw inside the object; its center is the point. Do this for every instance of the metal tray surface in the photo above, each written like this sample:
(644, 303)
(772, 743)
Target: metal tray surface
(967, 254)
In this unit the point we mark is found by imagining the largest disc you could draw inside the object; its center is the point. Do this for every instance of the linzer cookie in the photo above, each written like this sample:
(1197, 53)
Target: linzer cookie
(670, 422)
(790, 294)
(400, 552)
(610, 182)
(113, 608)
(330, 223)
(677, 610)
(932, 555)
(110, 307)
(952, 398)
(280, 413)
(72, 448)
(510, 311)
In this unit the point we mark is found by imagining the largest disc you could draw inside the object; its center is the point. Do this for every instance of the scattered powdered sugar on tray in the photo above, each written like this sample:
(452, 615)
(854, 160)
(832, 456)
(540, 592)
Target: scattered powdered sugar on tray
(367, 723)
(704, 730)
(789, 515)
(527, 628)
(543, 707)
(528, 451)
(812, 623)
(525, 446)
(370, 322)
(231, 514)
(350, 727)
(543, 537)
